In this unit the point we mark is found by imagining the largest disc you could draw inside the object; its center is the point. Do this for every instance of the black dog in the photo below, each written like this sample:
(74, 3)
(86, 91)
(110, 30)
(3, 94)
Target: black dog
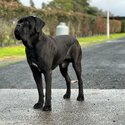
(45, 53)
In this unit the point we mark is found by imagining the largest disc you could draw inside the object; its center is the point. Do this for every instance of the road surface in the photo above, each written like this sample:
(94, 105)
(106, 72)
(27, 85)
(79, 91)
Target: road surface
(103, 67)
(101, 107)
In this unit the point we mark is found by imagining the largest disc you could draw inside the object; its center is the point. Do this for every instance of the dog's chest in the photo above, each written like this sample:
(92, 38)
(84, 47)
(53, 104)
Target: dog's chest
(39, 60)
(32, 58)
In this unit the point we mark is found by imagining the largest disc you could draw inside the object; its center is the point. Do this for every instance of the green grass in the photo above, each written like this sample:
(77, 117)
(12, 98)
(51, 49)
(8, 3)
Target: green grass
(13, 51)
(98, 39)
(19, 51)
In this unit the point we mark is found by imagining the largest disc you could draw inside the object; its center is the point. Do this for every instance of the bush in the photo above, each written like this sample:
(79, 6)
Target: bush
(123, 26)
(80, 24)
(6, 33)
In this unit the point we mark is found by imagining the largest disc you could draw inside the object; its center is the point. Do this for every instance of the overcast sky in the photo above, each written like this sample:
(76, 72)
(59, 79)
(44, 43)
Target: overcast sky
(117, 7)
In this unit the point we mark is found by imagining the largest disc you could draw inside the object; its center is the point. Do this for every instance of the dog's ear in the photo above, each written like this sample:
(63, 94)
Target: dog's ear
(39, 24)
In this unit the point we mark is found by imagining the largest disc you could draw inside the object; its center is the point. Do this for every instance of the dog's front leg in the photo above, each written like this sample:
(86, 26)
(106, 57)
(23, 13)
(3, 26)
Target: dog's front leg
(38, 79)
(48, 80)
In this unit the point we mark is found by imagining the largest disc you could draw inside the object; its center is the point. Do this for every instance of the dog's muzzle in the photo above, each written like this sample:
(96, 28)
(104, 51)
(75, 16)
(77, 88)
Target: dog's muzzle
(17, 33)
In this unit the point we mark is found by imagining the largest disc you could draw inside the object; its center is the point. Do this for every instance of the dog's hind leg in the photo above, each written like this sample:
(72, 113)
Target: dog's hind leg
(77, 68)
(64, 72)
(76, 61)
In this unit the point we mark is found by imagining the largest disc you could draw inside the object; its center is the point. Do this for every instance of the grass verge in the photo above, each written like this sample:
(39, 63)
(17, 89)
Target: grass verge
(12, 51)
(17, 53)
(11, 54)
(86, 41)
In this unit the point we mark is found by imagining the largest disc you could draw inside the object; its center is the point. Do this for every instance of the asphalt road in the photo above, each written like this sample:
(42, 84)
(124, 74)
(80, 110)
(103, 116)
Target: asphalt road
(103, 67)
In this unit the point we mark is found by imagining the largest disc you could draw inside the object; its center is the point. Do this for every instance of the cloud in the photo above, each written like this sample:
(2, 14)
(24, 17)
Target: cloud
(38, 3)
(115, 6)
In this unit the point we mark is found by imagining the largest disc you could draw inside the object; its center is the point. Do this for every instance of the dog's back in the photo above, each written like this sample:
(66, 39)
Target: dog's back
(65, 40)
(67, 46)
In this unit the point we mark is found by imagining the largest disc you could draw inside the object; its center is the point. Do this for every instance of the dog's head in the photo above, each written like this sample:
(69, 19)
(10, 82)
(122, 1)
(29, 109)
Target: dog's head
(27, 27)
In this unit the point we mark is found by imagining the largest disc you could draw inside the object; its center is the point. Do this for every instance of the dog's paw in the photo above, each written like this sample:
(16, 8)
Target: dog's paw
(66, 96)
(80, 98)
(47, 108)
(38, 105)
